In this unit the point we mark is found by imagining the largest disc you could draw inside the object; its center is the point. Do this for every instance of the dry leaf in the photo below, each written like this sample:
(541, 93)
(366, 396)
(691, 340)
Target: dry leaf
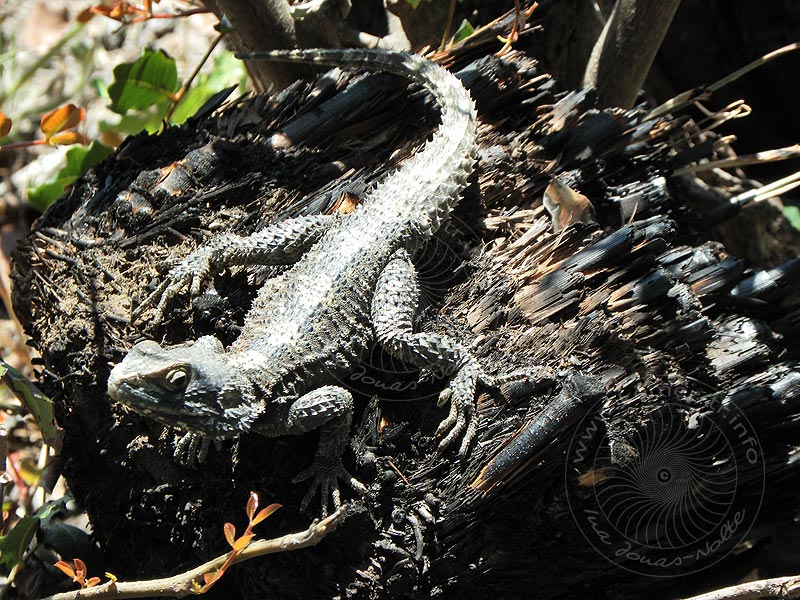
(5, 124)
(566, 206)
(62, 118)
(67, 138)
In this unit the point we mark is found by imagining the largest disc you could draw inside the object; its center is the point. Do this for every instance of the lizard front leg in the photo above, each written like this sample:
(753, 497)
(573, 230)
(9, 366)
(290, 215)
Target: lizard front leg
(331, 408)
(393, 308)
(278, 244)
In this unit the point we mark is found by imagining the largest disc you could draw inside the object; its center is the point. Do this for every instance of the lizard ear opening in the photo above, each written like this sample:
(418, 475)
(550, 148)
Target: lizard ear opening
(210, 344)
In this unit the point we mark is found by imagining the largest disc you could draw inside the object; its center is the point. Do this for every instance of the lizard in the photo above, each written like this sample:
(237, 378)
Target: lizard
(351, 283)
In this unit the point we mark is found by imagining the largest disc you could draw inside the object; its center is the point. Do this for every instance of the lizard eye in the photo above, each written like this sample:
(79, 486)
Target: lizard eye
(177, 379)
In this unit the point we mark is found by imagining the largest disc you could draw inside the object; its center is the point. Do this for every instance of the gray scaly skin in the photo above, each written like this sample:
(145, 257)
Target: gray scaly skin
(351, 283)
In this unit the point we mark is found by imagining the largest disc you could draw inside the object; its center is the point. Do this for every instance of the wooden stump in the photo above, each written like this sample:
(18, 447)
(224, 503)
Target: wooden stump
(670, 367)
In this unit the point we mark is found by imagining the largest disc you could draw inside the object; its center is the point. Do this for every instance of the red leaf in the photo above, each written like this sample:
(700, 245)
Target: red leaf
(230, 533)
(252, 505)
(92, 582)
(80, 568)
(265, 512)
(86, 15)
(65, 568)
(67, 138)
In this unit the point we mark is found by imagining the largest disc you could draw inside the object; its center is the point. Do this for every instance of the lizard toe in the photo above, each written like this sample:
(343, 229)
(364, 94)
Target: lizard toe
(325, 480)
(151, 300)
(191, 449)
(462, 417)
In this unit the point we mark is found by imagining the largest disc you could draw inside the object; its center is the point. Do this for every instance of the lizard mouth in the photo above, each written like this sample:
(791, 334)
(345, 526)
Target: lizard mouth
(172, 412)
(113, 388)
(143, 400)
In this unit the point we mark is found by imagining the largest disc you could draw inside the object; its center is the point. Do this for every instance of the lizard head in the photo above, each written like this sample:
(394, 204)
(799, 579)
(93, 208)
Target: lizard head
(189, 386)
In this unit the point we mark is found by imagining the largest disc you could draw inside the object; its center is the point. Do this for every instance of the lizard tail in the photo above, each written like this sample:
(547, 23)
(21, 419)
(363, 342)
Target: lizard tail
(429, 183)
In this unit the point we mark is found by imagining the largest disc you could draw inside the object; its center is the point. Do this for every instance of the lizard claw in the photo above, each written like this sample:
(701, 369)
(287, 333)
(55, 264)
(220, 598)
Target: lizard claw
(325, 478)
(191, 449)
(190, 271)
(150, 300)
(463, 414)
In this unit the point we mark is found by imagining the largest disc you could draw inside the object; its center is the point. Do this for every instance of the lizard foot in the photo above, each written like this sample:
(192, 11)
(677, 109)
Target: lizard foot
(325, 477)
(463, 417)
(190, 271)
(191, 449)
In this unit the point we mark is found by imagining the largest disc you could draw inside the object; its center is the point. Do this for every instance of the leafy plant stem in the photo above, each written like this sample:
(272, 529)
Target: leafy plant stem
(181, 585)
(185, 87)
(185, 13)
(80, 86)
(18, 145)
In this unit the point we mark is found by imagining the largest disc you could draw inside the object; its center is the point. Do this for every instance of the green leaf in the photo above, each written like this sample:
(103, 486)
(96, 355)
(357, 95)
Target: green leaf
(142, 83)
(136, 121)
(13, 545)
(464, 31)
(45, 194)
(79, 160)
(39, 405)
(228, 70)
(792, 214)
(51, 508)
(99, 87)
(413, 3)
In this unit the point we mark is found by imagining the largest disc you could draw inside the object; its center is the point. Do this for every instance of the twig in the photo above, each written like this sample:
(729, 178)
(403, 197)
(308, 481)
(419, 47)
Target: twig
(778, 587)
(449, 26)
(749, 159)
(189, 582)
(768, 191)
(178, 96)
(518, 25)
(688, 97)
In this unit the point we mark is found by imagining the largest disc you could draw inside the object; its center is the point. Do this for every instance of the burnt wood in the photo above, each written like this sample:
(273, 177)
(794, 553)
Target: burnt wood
(673, 365)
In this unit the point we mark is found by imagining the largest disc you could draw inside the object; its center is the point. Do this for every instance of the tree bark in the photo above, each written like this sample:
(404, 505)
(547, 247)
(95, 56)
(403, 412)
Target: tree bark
(261, 25)
(622, 56)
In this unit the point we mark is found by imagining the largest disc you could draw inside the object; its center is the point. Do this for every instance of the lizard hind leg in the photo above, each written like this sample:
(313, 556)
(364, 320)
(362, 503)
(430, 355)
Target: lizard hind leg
(329, 408)
(393, 307)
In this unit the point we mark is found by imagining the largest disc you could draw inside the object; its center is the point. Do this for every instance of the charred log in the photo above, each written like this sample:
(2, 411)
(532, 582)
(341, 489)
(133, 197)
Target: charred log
(658, 439)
